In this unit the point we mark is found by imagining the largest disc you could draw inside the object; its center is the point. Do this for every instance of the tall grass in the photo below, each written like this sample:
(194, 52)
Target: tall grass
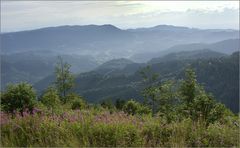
(103, 129)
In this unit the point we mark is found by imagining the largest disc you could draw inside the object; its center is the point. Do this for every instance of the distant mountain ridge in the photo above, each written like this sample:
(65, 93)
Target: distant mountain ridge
(106, 42)
(226, 46)
(162, 27)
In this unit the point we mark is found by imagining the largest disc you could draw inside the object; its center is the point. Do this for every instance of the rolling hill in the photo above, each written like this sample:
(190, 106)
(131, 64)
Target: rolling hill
(214, 73)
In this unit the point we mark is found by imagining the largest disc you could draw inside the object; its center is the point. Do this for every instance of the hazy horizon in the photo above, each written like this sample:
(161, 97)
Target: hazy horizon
(237, 29)
(21, 15)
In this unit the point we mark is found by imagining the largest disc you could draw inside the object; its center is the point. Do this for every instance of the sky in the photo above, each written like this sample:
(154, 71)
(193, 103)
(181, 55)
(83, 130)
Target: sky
(27, 15)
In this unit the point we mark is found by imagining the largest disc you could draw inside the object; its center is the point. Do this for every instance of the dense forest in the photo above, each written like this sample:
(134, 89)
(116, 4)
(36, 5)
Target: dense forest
(173, 109)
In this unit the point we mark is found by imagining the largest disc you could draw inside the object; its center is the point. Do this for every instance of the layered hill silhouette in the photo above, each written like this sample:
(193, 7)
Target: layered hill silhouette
(125, 81)
(106, 60)
(105, 42)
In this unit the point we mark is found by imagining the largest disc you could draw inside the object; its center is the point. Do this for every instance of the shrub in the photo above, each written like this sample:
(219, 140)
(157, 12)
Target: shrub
(20, 97)
(222, 135)
(107, 104)
(218, 112)
(72, 97)
(120, 104)
(50, 98)
(202, 106)
(76, 101)
(78, 104)
(143, 110)
(132, 107)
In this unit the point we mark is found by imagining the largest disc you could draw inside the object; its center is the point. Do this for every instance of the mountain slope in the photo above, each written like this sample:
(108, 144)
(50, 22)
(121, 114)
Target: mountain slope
(226, 46)
(115, 64)
(220, 76)
(214, 73)
(195, 54)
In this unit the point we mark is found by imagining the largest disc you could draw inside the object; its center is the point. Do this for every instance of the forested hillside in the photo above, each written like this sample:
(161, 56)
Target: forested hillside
(183, 55)
(173, 114)
(215, 73)
(221, 78)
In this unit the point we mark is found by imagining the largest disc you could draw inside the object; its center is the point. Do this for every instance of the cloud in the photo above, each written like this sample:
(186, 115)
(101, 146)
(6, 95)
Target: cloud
(24, 15)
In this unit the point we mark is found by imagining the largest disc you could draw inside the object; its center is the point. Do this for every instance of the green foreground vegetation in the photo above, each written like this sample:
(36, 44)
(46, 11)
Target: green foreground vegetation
(179, 114)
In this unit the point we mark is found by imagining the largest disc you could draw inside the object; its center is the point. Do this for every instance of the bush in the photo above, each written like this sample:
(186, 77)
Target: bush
(78, 104)
(107, 104)
(222, 135)
(76, 101)
(20, 97)
(50, 98)
(72, 97)
(120, 104)
(132, 107)
(218, 112)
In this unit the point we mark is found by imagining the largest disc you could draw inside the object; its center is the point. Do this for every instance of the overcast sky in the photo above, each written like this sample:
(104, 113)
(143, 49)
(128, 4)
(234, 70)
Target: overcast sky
(25, 15)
